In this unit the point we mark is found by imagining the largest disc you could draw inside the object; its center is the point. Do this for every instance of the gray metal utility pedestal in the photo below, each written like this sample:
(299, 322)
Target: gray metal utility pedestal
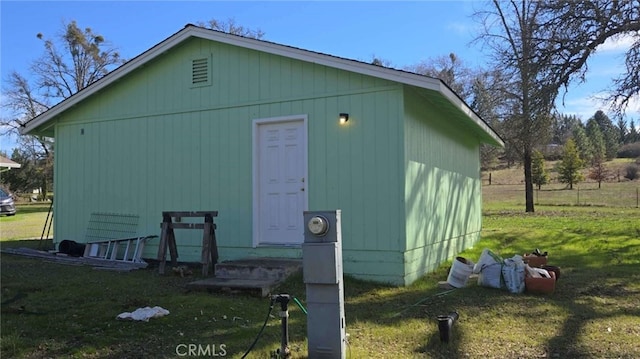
(322, 266)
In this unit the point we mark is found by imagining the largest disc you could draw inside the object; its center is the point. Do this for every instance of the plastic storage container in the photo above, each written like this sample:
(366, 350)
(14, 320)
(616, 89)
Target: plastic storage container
(540, 285)
(533, 260)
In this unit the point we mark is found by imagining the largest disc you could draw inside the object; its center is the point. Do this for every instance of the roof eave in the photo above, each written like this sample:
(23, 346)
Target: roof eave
(263, 46)
(319, 58)
(112, 77)
(8, 163)
(259, 45)
(450, 95)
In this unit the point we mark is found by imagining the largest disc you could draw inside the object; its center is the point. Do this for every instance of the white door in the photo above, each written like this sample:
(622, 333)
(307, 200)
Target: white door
(280, 166)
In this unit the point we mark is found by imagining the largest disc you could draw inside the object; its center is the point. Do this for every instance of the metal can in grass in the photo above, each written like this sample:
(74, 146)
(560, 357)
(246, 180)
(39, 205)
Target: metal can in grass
(445, 325)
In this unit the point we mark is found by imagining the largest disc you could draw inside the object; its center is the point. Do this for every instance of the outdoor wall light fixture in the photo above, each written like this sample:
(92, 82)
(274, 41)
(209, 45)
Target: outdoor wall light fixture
(344, 117)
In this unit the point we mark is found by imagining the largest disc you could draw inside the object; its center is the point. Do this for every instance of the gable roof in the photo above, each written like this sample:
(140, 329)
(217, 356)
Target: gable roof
(400, 76)
(7, 164)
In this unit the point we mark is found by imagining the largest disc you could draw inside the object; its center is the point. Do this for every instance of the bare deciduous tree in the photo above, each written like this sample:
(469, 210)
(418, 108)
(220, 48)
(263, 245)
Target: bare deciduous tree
(231, 27)
(451, 70)
(573, 30)
(510, 30)
(77, 59)
(476, 86)
(542, 46)
(23, 101)
(84, 60)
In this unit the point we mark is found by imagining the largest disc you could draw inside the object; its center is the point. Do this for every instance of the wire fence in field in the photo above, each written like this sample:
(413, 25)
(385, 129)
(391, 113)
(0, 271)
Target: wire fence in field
(610, 194)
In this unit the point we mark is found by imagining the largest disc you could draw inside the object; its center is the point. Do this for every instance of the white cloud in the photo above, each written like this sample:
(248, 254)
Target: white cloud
(460, 28)
(586, 106)
(583, 107)
(618, 44)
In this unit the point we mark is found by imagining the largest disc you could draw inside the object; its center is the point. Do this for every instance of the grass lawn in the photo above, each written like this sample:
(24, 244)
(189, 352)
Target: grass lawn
(52, 310)
(507, 188)
(614, 194)
(28, 222)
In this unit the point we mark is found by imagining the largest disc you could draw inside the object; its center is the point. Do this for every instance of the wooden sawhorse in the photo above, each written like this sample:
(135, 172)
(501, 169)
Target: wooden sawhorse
(168, 238)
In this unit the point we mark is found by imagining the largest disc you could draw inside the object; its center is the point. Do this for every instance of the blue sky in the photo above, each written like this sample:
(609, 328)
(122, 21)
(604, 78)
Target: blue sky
(402, 32)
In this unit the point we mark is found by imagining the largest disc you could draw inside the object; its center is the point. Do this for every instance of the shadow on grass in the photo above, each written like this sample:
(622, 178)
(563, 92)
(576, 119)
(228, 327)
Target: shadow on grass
(599, 261)
(77, 307)
(589, 277)
(89, 300)
(436, 348)
(582, 296)
(43, 245)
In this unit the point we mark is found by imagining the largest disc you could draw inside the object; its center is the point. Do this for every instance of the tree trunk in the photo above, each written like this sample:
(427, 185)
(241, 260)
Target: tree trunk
(528, 181)
(43, 191)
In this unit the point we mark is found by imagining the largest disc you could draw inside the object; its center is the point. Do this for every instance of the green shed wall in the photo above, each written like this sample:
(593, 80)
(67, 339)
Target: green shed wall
(442, 191)
(150, 142)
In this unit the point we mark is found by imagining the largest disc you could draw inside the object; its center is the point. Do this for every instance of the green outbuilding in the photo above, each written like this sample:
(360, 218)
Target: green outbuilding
(207, 120)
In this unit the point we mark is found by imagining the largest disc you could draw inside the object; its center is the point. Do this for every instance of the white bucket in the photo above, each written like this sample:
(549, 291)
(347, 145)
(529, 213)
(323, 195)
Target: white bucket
(460, 271)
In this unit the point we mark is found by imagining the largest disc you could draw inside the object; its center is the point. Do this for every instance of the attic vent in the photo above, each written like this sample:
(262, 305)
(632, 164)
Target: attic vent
(200, 72)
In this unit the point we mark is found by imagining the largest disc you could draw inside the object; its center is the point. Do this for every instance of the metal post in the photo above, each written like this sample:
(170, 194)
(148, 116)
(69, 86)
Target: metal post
(283, 299)
(47, 224)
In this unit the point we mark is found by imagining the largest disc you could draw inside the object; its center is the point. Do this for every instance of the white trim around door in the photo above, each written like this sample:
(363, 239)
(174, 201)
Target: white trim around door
(280, 180)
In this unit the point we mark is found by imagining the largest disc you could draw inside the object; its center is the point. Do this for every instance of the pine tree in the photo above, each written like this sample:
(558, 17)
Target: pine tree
(597, 141)
(609, 134)
(570, 165)
(598, 171)
(582, 143)
(539, 173)
(622, 131)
